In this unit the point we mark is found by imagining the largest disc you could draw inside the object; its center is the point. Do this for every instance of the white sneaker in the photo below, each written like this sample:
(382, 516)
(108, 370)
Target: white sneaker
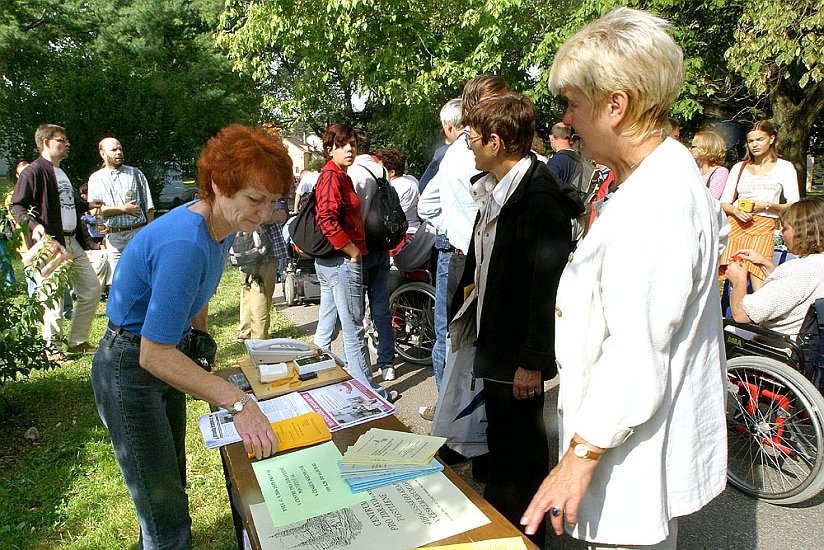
(388, 373)
(427, 413)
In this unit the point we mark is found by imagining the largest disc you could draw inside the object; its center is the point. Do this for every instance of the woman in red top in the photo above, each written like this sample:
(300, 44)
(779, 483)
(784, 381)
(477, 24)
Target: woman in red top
(338, 215)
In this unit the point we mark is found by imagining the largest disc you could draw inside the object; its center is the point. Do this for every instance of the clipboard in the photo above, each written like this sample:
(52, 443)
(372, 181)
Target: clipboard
(266, 391)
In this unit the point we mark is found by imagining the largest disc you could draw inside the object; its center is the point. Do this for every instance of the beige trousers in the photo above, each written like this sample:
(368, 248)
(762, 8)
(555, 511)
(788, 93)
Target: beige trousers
(87, 288)
(256, 302)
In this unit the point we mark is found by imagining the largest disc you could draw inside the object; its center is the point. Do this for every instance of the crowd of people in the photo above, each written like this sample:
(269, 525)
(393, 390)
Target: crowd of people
(636, 339)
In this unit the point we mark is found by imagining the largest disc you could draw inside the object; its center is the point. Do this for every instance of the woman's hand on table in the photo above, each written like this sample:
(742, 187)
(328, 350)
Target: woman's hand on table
(527, 383)
(256, 431)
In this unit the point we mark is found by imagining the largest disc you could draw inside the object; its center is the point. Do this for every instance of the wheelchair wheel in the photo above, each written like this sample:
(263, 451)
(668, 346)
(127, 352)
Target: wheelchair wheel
(412, 307)
(775, 430)
(289, 289)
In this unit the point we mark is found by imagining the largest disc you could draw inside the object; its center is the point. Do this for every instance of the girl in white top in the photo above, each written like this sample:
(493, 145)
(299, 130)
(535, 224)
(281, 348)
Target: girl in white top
(766, 177)
(762, 178)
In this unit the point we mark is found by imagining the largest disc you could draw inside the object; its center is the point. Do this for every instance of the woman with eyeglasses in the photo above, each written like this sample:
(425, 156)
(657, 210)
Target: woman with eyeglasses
(709, 151)
(521, 241)
(752, 198)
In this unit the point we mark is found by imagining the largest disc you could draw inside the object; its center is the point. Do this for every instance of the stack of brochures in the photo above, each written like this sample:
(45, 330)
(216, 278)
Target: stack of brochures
(383, 457)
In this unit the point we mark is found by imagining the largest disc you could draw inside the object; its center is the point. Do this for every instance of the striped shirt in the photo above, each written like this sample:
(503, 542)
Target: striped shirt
(117, 187)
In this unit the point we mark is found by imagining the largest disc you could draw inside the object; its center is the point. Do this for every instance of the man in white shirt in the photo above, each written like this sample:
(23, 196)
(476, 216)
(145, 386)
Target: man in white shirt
(447, 204)
(45, 202)
(127, 202)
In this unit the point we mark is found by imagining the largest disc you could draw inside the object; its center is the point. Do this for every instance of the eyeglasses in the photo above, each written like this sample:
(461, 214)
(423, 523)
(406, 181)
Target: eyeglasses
(61, 140)
(469, 140)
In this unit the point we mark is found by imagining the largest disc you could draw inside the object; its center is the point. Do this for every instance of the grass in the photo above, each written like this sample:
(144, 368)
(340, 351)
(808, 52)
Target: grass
(64, 489)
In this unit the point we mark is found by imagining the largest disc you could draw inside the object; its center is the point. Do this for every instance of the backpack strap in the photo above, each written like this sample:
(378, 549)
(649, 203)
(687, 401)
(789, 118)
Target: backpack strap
(374, 177)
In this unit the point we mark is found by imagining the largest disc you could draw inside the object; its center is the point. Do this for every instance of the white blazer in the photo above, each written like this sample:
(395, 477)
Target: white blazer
(640, 352)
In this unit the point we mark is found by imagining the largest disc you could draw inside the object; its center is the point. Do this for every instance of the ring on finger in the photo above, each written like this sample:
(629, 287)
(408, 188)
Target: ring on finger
(554, 512)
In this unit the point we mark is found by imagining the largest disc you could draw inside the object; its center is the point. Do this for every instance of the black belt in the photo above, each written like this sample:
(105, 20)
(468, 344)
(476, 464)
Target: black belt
(123, 333)
(122, 229)
(69, 233)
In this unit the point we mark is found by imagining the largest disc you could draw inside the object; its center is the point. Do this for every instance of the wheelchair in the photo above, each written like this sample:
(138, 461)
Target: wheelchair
(775, 415)
(412, 307)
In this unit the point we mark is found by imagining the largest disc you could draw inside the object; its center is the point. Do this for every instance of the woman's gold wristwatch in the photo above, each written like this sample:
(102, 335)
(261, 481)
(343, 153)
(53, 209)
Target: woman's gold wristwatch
(581, 450)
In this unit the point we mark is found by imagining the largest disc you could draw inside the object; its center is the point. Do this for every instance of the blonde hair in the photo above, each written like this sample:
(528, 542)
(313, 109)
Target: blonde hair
(709, 147)
(627, 50)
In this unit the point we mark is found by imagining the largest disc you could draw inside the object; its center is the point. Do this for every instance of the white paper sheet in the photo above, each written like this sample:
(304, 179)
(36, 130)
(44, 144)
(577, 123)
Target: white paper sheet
(400, 516)
(342, 405)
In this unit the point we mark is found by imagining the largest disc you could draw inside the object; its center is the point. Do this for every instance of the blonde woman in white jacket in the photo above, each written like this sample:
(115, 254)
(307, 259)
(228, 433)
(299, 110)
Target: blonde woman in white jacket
(638, 336)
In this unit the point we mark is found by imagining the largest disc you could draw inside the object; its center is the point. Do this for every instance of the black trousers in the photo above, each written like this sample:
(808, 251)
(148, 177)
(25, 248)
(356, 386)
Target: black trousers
(518, 452)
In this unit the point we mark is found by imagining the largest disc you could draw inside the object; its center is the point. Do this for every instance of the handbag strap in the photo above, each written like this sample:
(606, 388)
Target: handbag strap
(709, 178)
(737, 180)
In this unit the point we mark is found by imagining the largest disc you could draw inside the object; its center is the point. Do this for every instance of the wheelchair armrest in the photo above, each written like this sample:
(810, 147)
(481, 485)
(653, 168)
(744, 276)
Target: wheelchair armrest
(769, 337)
(756, 329)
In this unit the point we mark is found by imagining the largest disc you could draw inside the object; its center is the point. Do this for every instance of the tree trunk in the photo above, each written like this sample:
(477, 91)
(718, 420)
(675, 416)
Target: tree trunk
(795, 120)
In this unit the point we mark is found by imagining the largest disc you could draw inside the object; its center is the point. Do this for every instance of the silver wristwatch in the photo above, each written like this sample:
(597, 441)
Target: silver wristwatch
(238, 406)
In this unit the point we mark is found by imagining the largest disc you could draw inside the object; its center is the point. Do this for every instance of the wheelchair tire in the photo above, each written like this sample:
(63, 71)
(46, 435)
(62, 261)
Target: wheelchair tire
(289, 289)
(775, 430)
(412, 306)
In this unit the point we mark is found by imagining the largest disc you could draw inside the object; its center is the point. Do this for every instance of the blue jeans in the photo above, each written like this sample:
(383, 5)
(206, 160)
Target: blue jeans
(376, 283)
(441, 298)
(341, 298)
(146, 419)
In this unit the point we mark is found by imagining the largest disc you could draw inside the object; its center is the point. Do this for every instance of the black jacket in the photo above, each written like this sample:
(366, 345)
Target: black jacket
(36, 200)
(533, 240)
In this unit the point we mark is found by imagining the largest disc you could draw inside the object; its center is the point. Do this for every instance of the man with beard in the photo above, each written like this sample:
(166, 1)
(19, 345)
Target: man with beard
(124, 191)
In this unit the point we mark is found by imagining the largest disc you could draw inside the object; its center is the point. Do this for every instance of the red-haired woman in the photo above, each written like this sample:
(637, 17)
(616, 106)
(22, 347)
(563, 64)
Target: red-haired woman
(338, 214)
(761, 180)
(160, 292)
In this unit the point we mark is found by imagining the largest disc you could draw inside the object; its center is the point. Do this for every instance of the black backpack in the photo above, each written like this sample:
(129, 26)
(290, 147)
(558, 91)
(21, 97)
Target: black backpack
(305, 232)
(584, 186)
(385, 223)
(251, 250)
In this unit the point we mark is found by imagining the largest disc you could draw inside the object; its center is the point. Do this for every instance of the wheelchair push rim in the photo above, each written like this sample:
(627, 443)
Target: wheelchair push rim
(775, 430)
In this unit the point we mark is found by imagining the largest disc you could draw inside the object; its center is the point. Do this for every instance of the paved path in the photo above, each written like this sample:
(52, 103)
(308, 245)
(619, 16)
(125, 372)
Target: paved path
(732, 521)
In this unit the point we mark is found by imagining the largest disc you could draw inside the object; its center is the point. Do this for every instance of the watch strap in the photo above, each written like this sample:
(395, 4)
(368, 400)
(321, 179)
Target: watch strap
(590, 454)
(239, 405)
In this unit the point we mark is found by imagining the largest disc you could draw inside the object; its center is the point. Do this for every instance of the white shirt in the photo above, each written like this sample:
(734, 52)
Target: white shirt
(68, 213)
(787, 293)
(640, 354)
(364, 182)
(407, 188)
(447, 203)
(491, 195)
(307, 183)
(782, 179)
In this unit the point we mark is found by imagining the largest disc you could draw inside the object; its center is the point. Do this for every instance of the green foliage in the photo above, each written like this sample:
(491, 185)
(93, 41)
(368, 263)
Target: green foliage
(314, 58)
(65, 490)
(779, 41)
(22, 349)
(144, 71)
(316, 164)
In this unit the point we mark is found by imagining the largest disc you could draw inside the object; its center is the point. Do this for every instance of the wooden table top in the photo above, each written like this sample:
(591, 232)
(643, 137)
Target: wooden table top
(242, 478)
